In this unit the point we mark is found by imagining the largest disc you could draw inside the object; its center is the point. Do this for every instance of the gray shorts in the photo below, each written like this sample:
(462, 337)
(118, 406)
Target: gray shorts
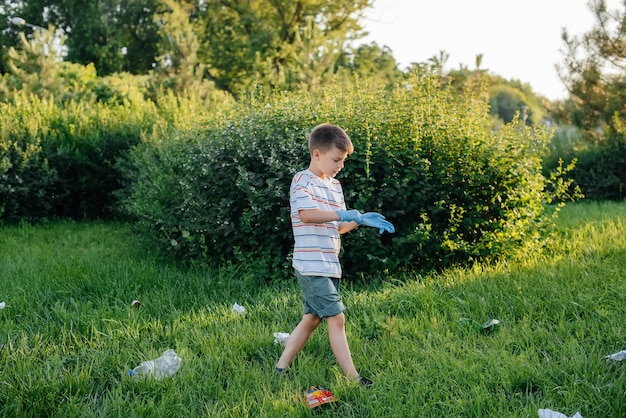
(321, 297)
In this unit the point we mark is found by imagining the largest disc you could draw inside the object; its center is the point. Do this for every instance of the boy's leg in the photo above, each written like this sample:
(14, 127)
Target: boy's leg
(339, 345)
(298, 339)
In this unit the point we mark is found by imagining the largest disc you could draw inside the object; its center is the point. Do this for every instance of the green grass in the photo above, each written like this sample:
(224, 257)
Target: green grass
(68, 334)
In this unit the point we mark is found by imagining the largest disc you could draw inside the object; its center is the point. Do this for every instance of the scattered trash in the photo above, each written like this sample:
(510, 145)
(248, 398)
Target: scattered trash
(547, 413)
(490, 323)
(238, 308)
(165, 366)
(617, 356)
(486, 327)
(317, 395)
(3, 305)
(281, 337)
(135, 304)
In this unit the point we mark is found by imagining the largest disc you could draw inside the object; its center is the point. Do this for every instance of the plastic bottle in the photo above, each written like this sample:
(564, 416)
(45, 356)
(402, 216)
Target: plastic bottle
(165, 366)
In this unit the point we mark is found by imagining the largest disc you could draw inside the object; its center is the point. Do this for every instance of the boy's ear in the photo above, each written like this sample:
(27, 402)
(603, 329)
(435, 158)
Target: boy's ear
(316, 153)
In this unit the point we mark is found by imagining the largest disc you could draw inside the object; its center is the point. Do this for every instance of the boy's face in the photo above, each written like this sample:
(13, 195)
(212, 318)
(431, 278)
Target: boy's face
(329, 163)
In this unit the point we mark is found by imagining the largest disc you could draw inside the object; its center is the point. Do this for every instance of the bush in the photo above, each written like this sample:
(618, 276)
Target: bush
(600, 169)
(64, 159)
(425, 157)
(26, 179)
(455, 189)
(219, 192)
(66, 154)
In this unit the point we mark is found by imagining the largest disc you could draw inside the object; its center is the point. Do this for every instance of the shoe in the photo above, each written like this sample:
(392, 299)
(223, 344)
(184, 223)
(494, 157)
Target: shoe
(364, 381)
(282, 372)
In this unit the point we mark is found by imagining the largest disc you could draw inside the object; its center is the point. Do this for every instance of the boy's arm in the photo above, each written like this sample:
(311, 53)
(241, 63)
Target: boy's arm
(347, 226)
(318, 216)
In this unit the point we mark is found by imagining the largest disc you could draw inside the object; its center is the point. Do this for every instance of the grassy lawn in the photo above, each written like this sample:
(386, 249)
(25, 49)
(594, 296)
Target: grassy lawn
(68, 333)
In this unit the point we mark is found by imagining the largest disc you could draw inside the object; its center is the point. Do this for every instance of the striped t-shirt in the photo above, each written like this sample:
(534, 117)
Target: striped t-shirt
(316, 249)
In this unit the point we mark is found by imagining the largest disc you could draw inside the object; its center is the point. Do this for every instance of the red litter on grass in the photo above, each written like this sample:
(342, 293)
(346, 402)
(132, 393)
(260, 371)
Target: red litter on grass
(317, 395)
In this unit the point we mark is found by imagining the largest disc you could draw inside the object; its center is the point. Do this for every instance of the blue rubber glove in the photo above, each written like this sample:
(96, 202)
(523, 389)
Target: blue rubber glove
(376, 220)
(349, 216)
(373, 219)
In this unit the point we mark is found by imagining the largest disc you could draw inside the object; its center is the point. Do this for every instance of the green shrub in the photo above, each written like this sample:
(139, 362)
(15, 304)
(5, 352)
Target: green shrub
(85, 143)
(72, 152)
(425, 158)
(455, 189)
(600, 169)
(64, 159)
(26, 179)
(221, 192)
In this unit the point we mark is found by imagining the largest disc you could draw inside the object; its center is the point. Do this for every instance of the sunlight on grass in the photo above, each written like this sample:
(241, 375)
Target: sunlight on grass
(70, 333)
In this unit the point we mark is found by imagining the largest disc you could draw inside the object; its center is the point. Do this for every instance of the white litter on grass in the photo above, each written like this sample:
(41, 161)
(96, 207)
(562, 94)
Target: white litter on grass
(238, 308)
(617, 356)
(547, 413)
(3, 305)
(281, 337)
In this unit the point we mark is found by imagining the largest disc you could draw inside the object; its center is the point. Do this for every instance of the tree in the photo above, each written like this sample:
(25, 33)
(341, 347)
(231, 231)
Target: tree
(36, 68)
(439, 62)
(375, 63)
(594, 72)
(241, 43)
(9, 33)
(177, 68)
(114, 35)
(510, 98)
(33, 68)
(274, 41)
(507, 98)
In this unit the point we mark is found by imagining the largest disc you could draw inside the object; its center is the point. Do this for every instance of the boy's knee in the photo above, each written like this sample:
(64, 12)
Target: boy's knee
(312, 320)
(336, 320)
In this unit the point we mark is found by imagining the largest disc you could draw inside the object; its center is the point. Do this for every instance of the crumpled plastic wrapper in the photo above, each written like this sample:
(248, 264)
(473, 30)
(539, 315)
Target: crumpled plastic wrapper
(281, 337)
(238, 308)
(617, 356)
(3, 305)
(548, 413)
(486, 327)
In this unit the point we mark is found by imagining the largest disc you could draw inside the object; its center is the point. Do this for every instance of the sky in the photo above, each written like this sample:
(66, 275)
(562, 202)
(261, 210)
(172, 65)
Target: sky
(518, 39)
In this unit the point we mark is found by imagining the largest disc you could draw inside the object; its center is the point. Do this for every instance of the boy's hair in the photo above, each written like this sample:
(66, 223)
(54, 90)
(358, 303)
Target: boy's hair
(326, 136)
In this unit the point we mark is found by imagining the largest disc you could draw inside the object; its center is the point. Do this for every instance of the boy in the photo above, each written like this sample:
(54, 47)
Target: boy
(318, 217)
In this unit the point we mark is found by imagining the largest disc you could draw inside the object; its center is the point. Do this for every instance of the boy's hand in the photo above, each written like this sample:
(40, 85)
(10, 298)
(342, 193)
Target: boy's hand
(373, 219)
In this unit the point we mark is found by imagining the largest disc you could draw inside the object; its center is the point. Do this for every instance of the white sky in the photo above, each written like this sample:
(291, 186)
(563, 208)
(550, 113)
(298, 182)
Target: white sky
(518, 39)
